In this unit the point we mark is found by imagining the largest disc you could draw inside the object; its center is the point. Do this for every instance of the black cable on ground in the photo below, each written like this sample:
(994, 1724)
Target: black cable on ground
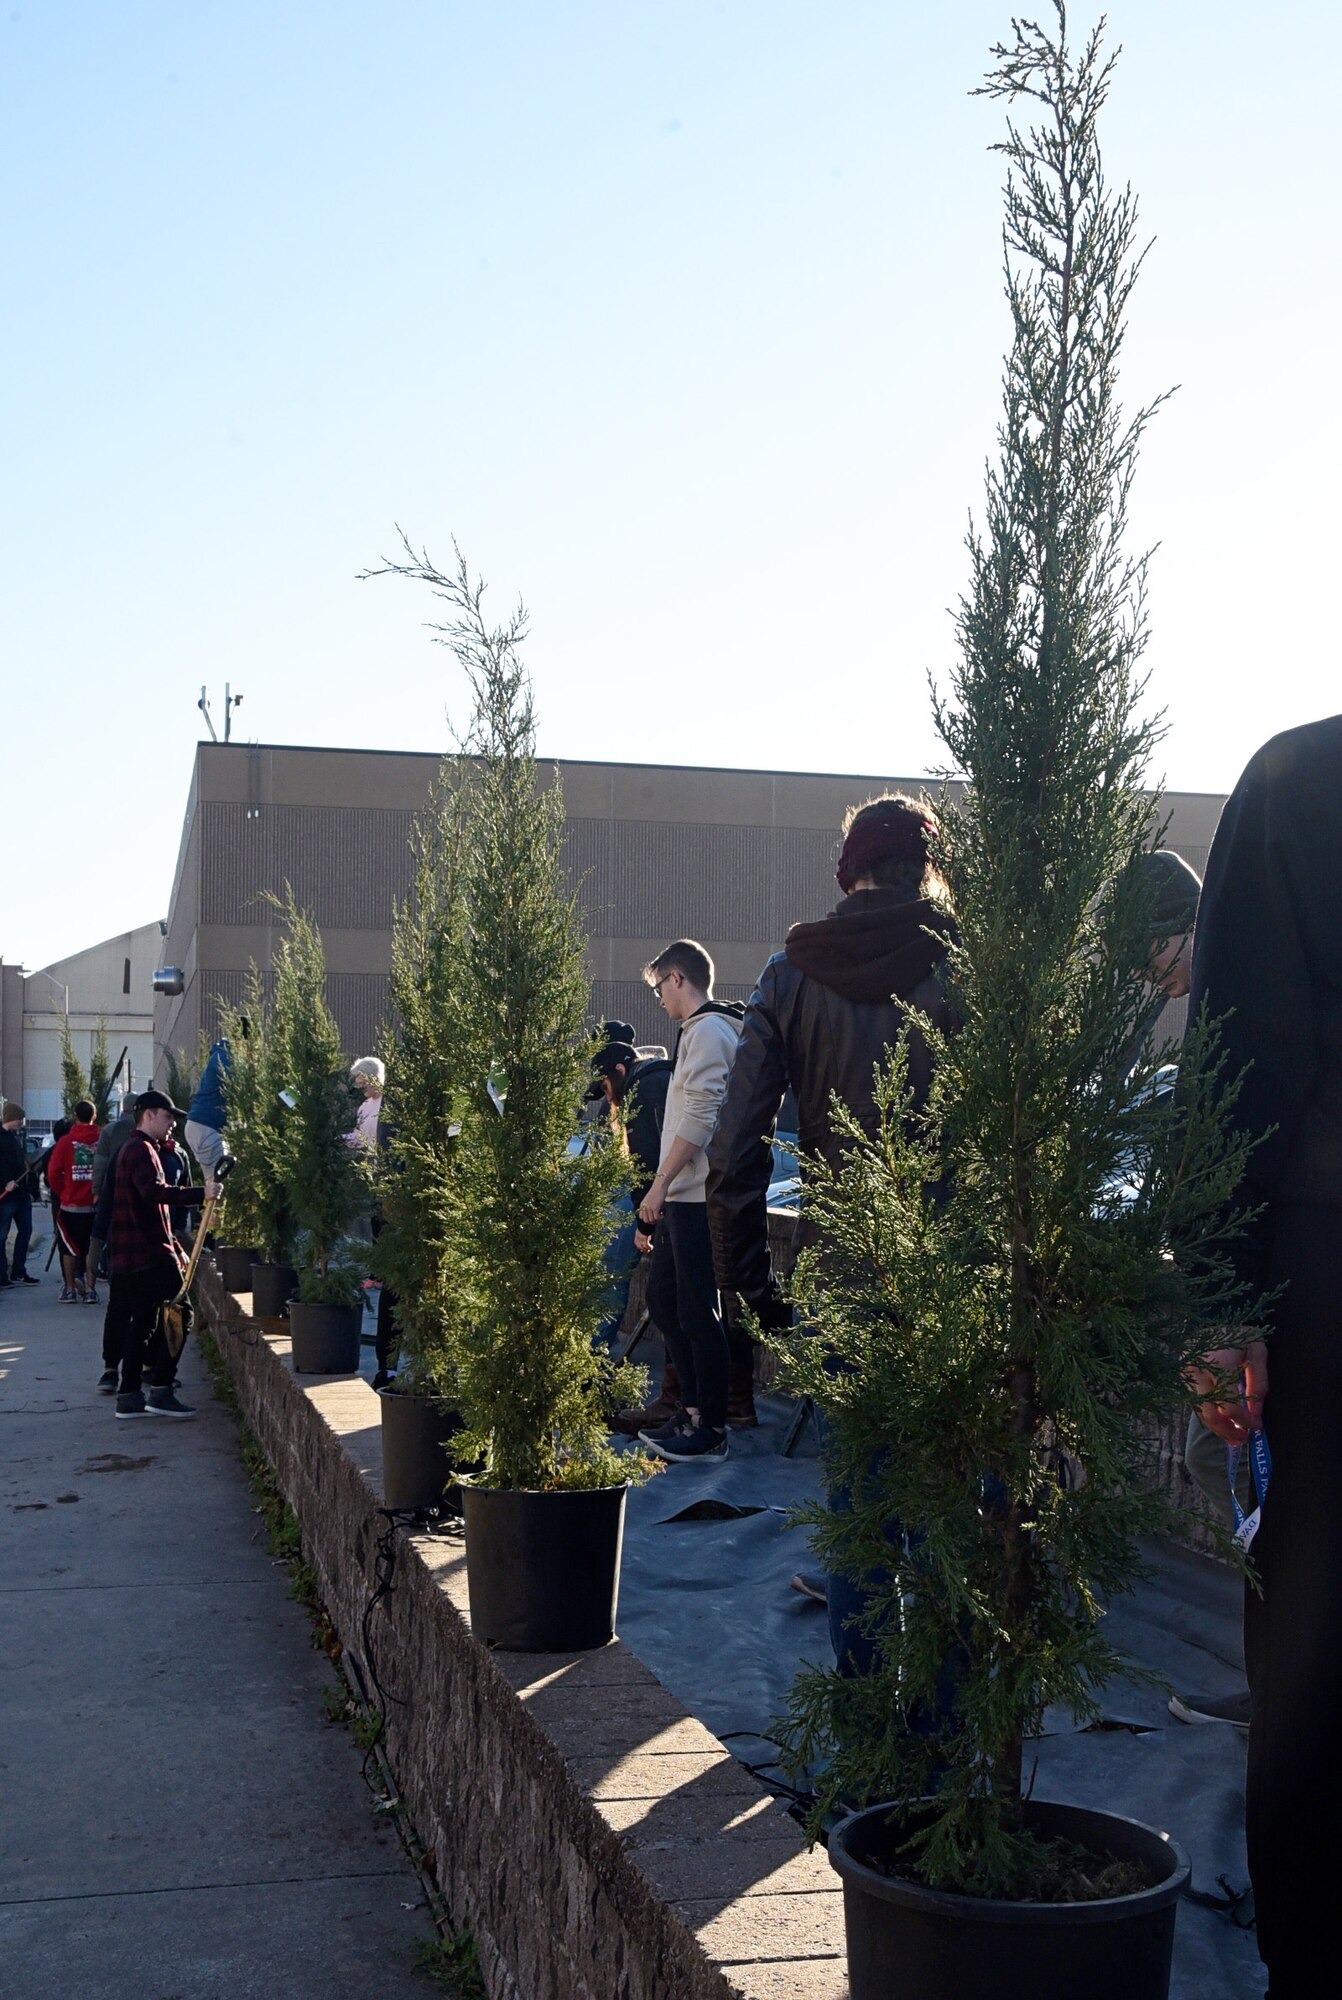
(795, 1795)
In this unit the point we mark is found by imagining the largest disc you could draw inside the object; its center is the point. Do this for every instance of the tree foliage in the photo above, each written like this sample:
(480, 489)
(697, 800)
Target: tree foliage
(324, 1180)
(74, 1081)
(1037, 1309)
(422, 1100)
(100, 1073)
(257, 1206)
(526, 1212)
(182, 1072)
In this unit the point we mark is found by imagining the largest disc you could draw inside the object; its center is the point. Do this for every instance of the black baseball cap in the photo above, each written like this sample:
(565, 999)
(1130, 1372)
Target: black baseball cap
(604, 1064)
(155, 1100)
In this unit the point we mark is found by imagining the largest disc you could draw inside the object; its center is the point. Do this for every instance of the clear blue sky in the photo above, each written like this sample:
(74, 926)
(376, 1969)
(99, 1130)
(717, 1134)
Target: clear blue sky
(686, 320)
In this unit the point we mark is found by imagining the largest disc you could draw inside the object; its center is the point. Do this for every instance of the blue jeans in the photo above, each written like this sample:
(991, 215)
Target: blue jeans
(15, 1209)
(849, 1597)
(621, 1261)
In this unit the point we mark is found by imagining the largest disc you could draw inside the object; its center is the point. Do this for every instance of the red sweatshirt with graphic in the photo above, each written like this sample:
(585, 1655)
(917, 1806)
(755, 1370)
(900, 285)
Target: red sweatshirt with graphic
(70, 1168)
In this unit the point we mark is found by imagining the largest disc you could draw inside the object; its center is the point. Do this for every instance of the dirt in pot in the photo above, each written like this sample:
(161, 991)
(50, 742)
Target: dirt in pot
(1062, 1871)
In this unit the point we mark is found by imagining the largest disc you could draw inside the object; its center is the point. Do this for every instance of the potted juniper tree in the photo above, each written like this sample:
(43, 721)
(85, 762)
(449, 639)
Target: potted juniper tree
(253, 1208)
(526, 1212)
(326, 1186)
(1034, 1313)
(413, 1186)
(258, 1194)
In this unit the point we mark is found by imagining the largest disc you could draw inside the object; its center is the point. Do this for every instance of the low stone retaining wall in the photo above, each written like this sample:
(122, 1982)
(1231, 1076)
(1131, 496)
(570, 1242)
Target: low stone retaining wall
(598, 1840)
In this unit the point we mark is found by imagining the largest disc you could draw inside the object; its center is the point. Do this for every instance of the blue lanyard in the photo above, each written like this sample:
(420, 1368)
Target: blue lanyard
(1260, 1459)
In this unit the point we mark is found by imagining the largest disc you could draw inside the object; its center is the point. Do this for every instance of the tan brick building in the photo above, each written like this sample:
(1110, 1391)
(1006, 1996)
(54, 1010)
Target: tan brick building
(729, 857)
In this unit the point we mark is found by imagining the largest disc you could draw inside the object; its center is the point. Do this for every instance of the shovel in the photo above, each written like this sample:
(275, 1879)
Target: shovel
(175, 1313)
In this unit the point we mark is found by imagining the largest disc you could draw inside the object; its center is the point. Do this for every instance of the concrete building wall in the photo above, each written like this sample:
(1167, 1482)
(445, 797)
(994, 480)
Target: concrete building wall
(731, 857)
(111, 982)
(11, 1033)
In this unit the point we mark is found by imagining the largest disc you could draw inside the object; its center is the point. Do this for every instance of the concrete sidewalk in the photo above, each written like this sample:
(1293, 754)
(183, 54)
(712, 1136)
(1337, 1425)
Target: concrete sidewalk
(179, 1821)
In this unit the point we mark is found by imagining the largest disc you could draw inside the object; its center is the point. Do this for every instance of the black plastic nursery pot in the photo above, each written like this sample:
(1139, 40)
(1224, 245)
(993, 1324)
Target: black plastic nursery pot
(273, 1285)
(917, 1943)
(416, 1429)
(543, 1569)
(234, 1264)
(325, 1339)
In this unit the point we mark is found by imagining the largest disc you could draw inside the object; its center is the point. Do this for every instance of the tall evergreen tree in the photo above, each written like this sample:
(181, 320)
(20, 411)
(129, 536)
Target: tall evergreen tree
(74, 1081)
(527, 1215)
(323, 1175)
(182, 1072)
(422, 1102)
(100, 1072)
(1038, 1306)
(258, 1208)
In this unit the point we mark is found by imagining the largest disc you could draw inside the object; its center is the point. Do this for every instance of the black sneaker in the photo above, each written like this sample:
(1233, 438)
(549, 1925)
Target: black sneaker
(26, 1279)
(696, 1443)
(678, 1424)
(107, 1382)
(1231, 1708)
(131, 1403)
(164, 1403)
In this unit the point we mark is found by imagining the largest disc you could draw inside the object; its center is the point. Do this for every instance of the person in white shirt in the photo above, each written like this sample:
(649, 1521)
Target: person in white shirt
(682, 1290)
(368, 1075)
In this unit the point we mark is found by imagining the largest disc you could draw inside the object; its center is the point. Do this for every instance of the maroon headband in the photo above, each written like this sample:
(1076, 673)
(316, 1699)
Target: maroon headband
(902, 836)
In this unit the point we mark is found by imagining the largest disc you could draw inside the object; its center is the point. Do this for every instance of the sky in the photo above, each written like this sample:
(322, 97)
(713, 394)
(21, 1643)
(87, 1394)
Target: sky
(685, 321)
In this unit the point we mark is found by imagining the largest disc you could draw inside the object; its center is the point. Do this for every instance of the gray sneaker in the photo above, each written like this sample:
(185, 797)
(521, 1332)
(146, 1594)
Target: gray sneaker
(131, 1404)
(164, 1403)
(107, 1382)
(1231, 1708)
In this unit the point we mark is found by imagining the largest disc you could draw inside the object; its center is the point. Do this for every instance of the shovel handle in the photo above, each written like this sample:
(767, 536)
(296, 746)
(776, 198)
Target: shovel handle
(221, 1173)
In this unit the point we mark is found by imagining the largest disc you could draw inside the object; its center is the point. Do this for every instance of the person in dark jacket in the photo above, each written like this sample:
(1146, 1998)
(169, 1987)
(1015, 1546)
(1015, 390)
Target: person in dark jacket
(16, 1198)
(828, 1008)
(1268, 962)
(635, 1086)
(146, 1258)
(112, 1138)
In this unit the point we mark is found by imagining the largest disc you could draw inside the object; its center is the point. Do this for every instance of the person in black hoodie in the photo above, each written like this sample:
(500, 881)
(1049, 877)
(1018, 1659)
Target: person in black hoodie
(827, 1009)
(16, 1198)
(1267, 960)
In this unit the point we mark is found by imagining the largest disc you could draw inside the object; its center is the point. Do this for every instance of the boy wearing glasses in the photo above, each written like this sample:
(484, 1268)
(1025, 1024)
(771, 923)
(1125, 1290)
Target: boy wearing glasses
(682, 1290)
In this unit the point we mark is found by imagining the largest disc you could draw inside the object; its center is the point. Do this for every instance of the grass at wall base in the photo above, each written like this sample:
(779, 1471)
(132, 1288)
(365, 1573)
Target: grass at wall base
(964, 1342)
(524, 1219)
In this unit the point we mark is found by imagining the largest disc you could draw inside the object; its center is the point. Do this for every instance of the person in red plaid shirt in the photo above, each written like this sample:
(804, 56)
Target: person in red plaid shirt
(146, 1262)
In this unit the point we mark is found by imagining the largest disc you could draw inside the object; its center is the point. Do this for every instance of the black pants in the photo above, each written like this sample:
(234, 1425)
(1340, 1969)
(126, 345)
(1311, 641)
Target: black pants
(144, 1350)
(1293, 1633)
(683, 1301)
(115, 1322)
